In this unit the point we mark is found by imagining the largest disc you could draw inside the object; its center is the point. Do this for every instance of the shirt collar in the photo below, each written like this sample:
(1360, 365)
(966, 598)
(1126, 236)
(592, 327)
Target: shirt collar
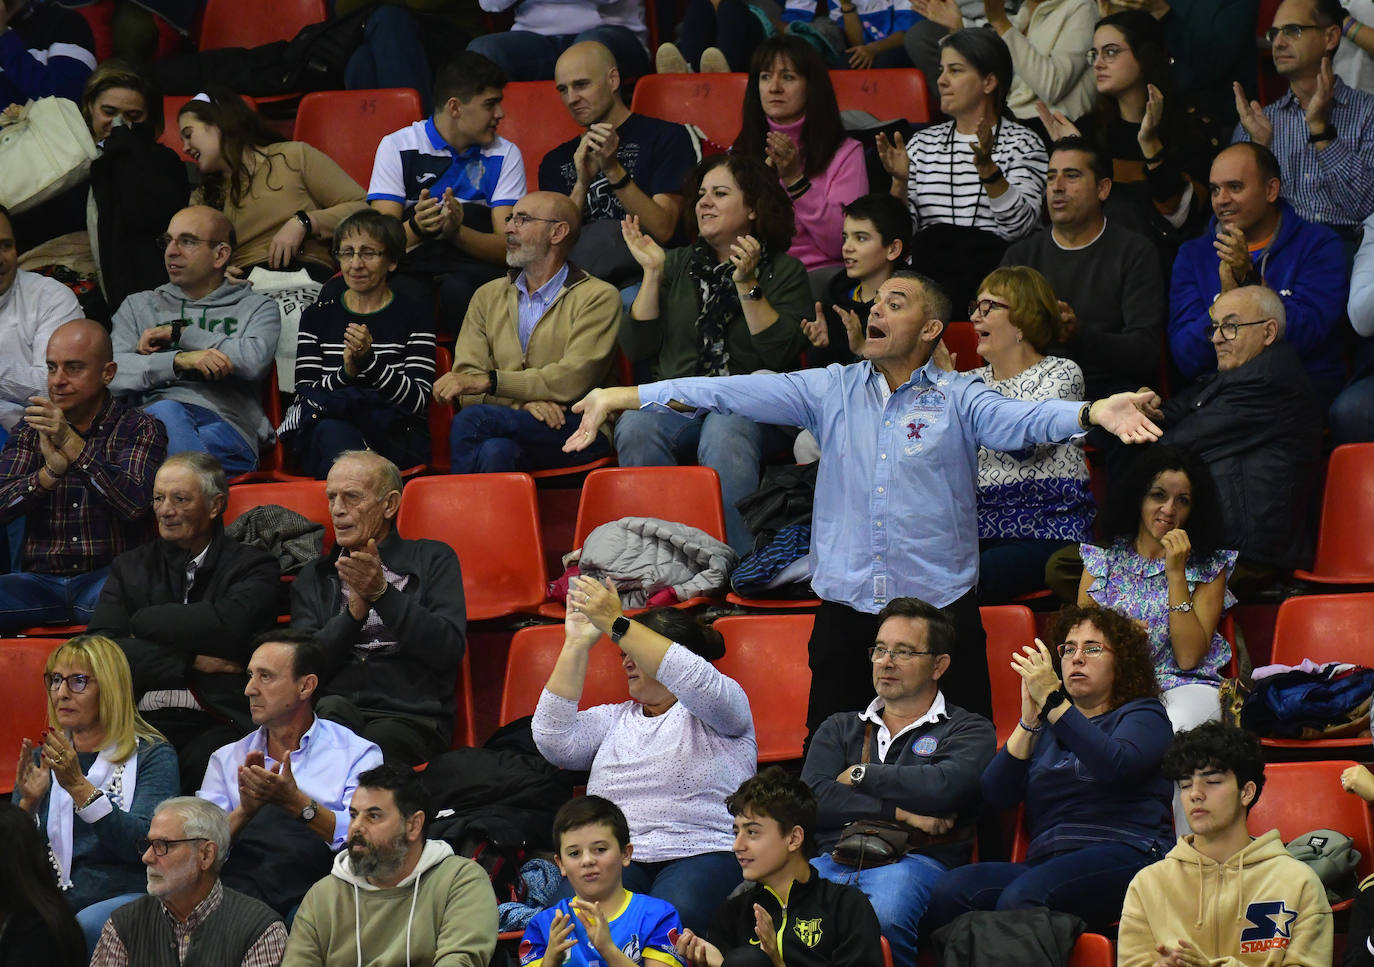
(202, 910)
(544, 292)
(1340, 94)
(259, 743)
(874, 713)
(437, 140)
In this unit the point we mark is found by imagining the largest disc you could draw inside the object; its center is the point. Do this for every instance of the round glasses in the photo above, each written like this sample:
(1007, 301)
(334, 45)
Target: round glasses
(1107, 52)
(77, 683)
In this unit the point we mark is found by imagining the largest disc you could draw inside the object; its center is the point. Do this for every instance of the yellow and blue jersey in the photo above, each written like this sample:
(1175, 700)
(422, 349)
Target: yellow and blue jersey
(645, 929)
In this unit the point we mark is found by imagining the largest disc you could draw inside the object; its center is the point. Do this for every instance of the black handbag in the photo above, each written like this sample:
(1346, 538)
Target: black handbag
(866, 843)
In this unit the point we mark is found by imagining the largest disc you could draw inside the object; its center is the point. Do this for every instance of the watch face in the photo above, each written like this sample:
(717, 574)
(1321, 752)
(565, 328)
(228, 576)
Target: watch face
(308, 813)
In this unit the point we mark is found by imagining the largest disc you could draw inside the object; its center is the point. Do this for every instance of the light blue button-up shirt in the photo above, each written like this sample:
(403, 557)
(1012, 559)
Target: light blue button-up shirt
(531, 306)
(896, 494)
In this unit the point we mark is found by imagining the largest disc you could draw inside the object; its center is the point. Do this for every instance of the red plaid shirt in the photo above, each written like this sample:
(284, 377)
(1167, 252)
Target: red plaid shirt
(102, 505)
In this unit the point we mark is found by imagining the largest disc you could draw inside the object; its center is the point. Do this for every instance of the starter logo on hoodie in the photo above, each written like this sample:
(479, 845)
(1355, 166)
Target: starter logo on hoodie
(1271, 922)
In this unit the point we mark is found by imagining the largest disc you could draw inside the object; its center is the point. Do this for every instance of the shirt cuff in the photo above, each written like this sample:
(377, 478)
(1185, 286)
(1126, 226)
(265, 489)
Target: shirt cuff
(97, 810)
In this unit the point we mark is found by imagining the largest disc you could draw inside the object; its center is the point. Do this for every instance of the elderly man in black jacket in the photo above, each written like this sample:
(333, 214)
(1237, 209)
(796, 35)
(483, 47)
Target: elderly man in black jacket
(1256, 424)
(185, 608)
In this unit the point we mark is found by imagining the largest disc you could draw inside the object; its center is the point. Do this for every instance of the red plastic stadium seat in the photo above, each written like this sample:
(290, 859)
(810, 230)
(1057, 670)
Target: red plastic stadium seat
(710, 101)
(348, 125)
(252, 23)
(885, 93)
(25, 712)
(1008, 627)
(533, 652)
(171, 133)
(767, 655)
(536, 121)
(960, 339)
(1345, 555)
(1093, 950)
(305, 497)
(492, 522)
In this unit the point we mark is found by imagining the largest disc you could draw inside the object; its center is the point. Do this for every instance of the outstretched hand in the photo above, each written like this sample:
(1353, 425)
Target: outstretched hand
(1120, 415)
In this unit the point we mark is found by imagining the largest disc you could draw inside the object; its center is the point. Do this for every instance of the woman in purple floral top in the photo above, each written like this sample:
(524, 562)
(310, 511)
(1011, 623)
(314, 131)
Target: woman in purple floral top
(1171, 579)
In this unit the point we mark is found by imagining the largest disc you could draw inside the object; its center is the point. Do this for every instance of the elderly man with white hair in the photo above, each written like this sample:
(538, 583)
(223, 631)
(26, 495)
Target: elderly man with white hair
(188, 915)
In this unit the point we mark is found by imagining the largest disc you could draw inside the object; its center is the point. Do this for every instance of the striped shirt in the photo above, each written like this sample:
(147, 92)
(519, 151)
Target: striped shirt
(944, 189)
(1334, 186)
(401, 367)
(100, 507)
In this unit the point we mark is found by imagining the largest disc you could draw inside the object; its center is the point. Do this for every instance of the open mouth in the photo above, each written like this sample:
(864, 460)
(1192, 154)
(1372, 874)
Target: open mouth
(876, 332)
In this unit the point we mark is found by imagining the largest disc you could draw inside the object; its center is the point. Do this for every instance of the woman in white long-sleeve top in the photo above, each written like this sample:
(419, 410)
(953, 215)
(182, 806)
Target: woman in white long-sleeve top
(668, 757)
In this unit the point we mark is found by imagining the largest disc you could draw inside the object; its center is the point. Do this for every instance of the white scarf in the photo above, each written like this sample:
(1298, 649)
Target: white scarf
(115, 779)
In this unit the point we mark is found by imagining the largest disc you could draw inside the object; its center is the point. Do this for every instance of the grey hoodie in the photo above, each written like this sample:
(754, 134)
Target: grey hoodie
(233, 319)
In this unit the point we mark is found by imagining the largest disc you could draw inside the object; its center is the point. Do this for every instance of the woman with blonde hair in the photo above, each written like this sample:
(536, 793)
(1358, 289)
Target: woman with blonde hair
(1031, 502)
(94, 778)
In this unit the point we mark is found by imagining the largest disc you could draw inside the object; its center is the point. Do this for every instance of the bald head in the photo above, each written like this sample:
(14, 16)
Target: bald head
(213, 223)
(200, 247)
(588, 81)
(541, 230)
(80, 367)
(86, 336)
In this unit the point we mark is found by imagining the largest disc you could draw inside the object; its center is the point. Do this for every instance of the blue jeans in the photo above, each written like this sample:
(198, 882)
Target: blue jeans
(1009, 566)
(92, 918)
(899, 893)
(495, 439)
(1090, 882)
(1352, 413)
(527, 56)
(28, 598)
(391, 55)
(730, 445)
(191, 427)
(695, 885)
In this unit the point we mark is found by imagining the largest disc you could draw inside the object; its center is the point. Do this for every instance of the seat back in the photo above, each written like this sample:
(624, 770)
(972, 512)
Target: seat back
(348, 125)
(1008, 627)
(533, 652)
(687, 495)
(305, 497)
(712, 102)
(171, 132)
(25, 714)
(961, 340)
(883, 92)
(1344, 551)
(252, 23)
(440, 415)
(1324, 627)
(1093, 950)
(1299, 797)
(767, 655)
(492, 523)
(536, 121)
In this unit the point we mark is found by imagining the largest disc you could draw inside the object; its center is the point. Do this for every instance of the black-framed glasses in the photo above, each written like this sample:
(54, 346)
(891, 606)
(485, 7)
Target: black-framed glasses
(161, 846)
(981, 307)
(349, 254)
(77, 682)
(1291, 31)
(881, 652)
(1108, 52)
(1230, 330)
(184, 240)
(520, 220)
(1067, 650)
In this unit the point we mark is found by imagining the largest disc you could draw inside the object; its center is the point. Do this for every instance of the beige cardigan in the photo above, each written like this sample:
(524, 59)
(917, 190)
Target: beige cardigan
(1050, 55)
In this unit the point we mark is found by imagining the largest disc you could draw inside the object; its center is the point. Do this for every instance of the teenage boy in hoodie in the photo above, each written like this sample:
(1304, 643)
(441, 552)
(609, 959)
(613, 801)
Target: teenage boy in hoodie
(1222, 898)
(394, 898)
(603, 923)
(195, 352)
(792, 916)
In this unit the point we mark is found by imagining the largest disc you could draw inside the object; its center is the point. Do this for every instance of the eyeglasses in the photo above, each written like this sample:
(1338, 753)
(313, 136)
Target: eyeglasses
(881, 652)
(981, 307)
(1291, 31)
(77, 683)
(366, 254)
(161, 846)
(1067, 650)
(520, 220)
(185, 241)
(1108, 52)
(1230, 330)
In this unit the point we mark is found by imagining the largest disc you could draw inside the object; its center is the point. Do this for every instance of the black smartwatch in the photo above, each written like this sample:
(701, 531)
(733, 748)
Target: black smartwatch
(619, 628)
(1053, 701)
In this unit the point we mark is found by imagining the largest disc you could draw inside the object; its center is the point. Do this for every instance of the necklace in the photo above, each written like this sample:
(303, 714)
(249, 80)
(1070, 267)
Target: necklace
(978, 199)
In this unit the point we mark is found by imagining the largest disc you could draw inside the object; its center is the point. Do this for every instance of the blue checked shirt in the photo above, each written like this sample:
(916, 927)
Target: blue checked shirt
(897, 490)
(1334, 186)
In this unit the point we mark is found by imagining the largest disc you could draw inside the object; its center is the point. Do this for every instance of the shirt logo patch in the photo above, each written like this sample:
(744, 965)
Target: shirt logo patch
(1271, 922)
(526, 948)
(808, 931)
(925, 745)
(632, 948)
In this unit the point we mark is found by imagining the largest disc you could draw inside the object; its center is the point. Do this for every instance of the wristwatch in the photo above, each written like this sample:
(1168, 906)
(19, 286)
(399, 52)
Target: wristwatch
(619, 628)
(309, 811)
(754, 294)
(856, 775)
(1186, 606)
(1053, 701)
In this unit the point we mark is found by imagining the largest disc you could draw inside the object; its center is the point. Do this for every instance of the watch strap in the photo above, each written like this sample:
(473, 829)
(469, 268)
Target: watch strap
(1052, 701)
(619, 627)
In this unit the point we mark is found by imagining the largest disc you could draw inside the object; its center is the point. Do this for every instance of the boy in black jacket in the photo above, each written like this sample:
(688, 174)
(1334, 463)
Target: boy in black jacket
(790, 915)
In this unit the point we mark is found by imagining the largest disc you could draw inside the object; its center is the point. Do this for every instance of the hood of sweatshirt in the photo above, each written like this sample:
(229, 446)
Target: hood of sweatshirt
(228, 294)
(1228, 877)
(435, 852)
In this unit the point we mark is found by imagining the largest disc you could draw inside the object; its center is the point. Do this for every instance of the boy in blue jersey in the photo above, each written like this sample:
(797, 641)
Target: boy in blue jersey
(604, 924)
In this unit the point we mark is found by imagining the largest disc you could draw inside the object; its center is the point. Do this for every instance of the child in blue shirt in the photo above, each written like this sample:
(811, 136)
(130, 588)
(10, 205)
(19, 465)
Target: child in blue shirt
(604, 924)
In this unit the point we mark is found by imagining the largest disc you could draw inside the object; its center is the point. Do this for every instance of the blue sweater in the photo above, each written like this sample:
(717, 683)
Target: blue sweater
(1305, 264)
(1091, 781)
(105, 860)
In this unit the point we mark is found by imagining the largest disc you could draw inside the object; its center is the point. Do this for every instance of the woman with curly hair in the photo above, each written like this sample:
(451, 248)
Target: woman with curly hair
(284, 198)
(1171, 580)
(1084, 760)
(730, 303)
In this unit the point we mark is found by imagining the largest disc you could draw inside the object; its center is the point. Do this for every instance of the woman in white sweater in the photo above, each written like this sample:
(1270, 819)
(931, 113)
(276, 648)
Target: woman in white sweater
(668, 757)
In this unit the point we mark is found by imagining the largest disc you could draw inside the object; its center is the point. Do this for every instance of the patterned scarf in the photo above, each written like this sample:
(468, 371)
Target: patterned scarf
(719, 308)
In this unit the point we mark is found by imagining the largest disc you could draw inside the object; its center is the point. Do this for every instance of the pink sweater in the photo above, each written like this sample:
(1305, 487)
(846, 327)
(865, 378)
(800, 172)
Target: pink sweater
(819, 212)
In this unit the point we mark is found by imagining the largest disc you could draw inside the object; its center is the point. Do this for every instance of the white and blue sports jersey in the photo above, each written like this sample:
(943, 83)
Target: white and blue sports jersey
(417, 157)
(645, 929)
